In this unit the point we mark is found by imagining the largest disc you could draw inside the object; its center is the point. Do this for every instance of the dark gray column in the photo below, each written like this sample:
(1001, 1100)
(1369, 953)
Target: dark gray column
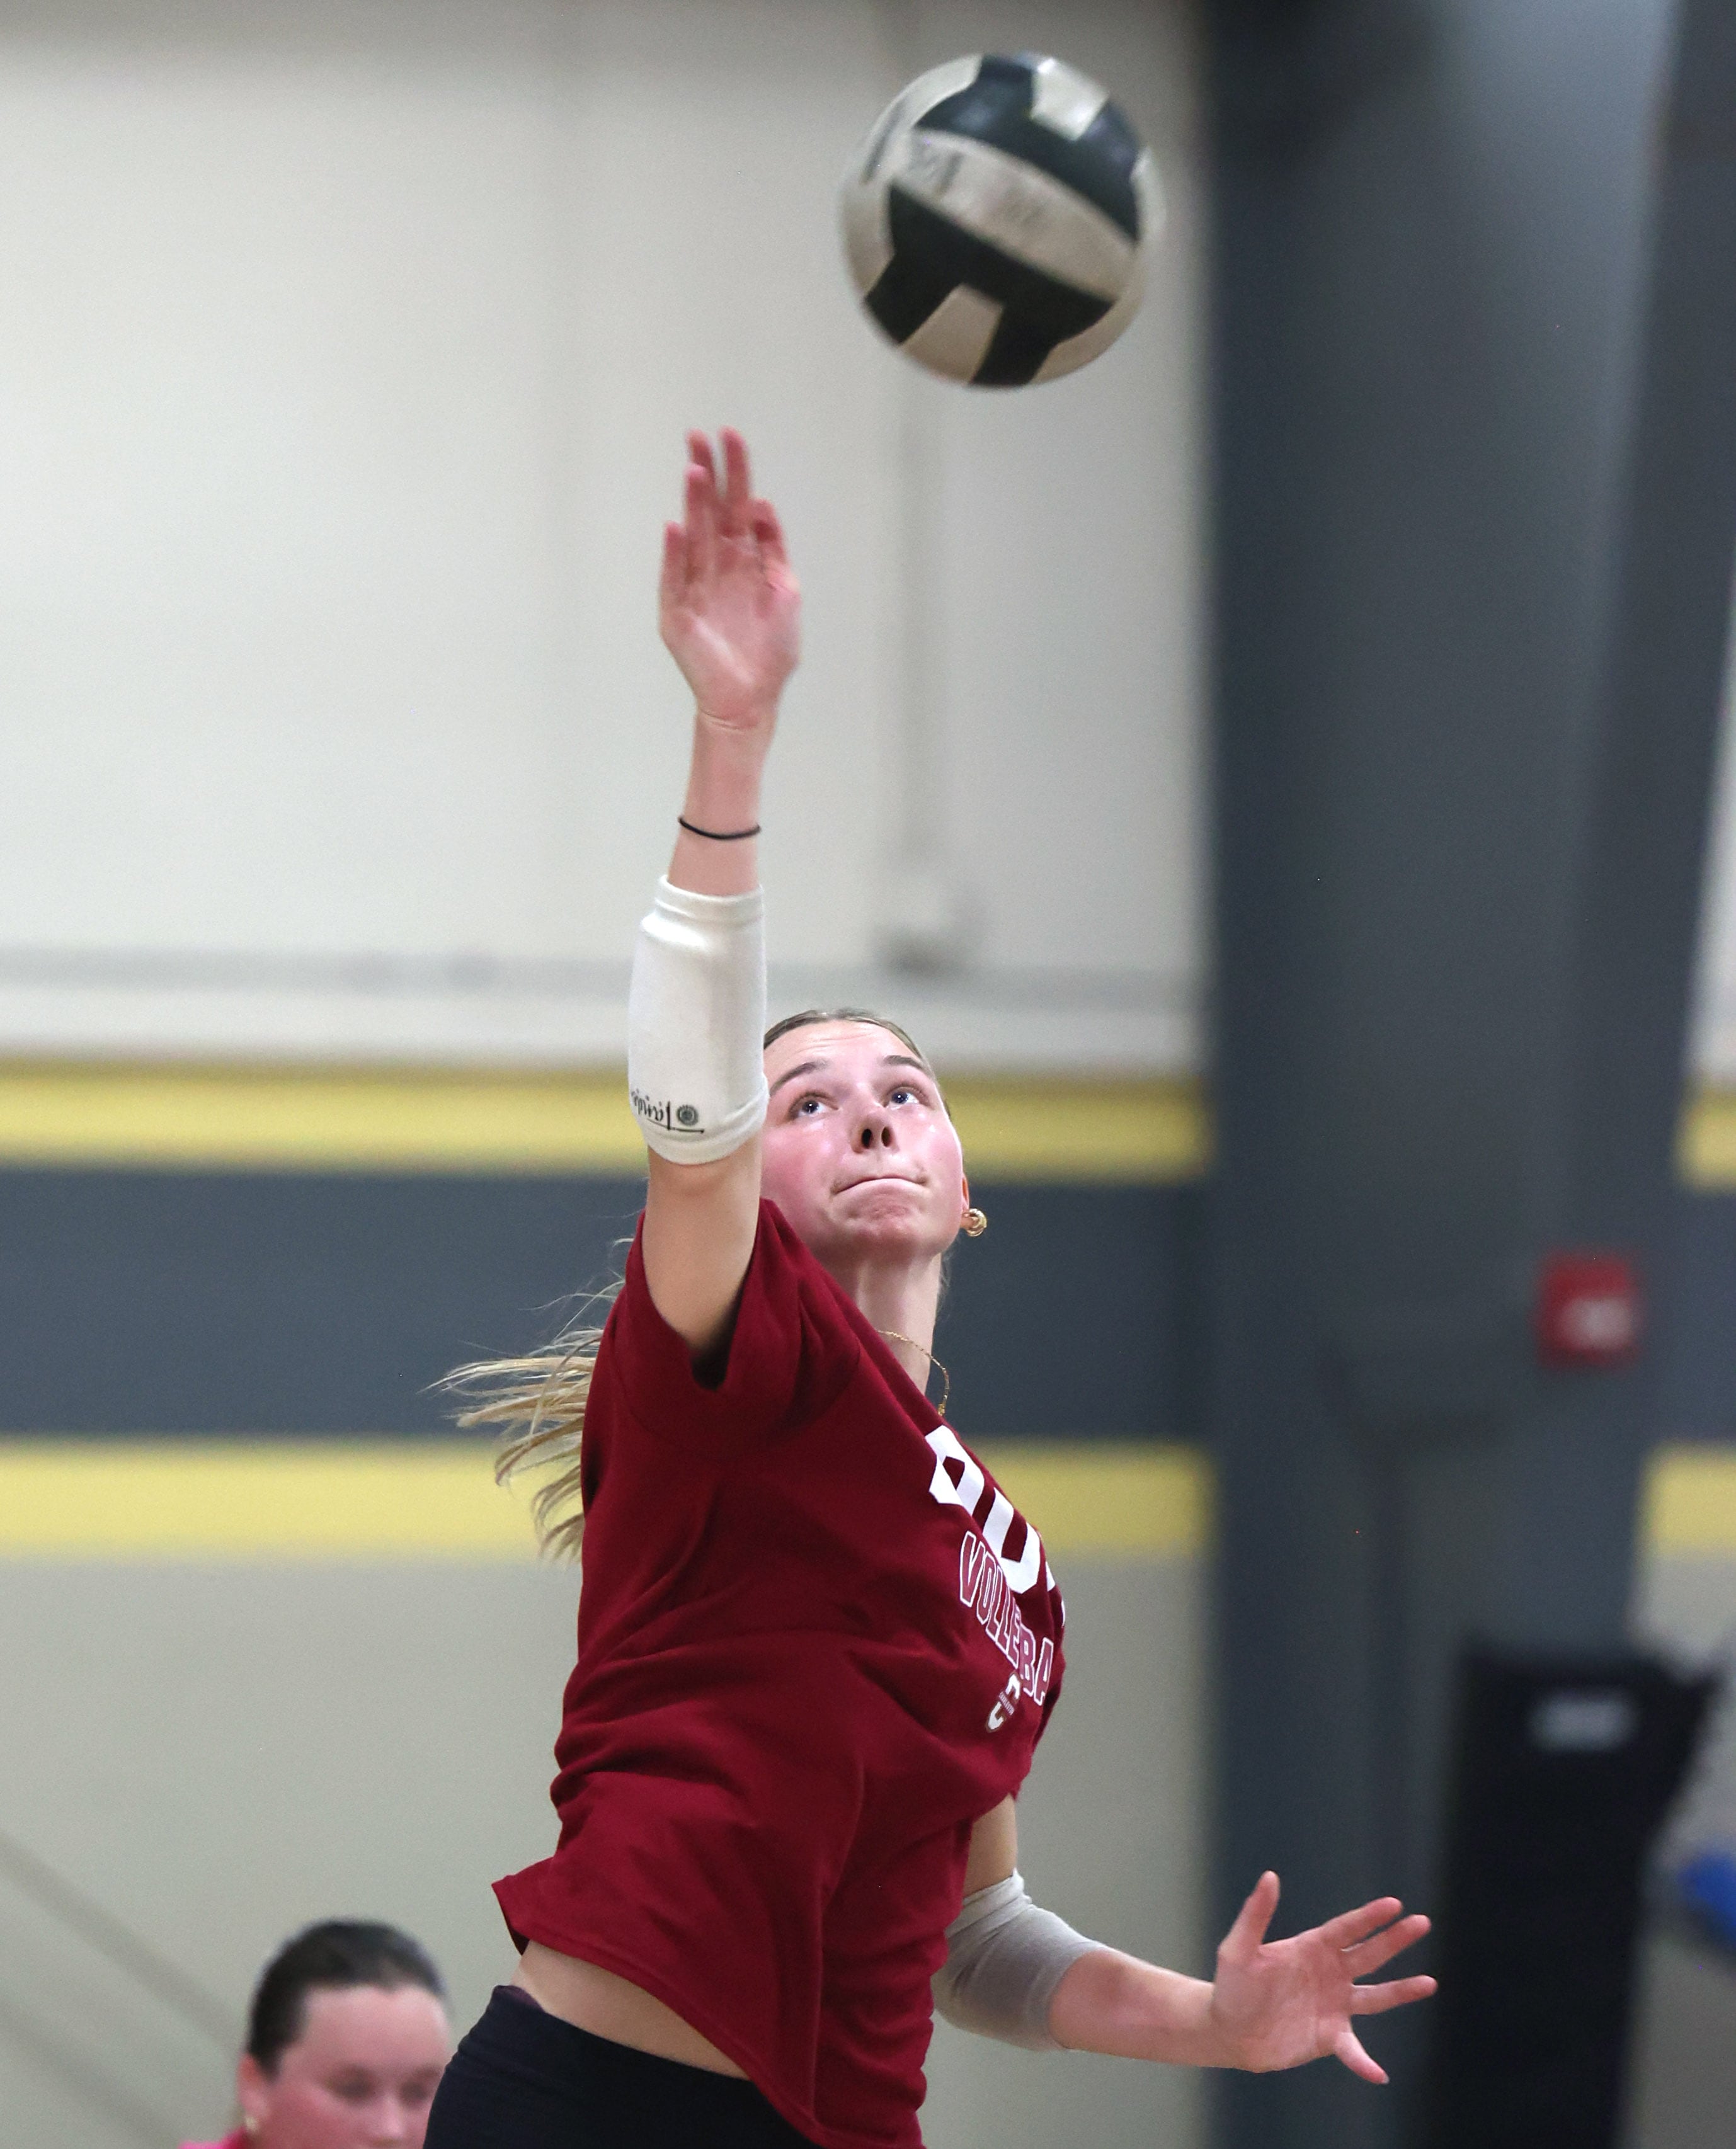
(1475, 412)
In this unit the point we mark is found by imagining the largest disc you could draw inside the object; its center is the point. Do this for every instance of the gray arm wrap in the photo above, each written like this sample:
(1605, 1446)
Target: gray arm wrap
(1004, 1957)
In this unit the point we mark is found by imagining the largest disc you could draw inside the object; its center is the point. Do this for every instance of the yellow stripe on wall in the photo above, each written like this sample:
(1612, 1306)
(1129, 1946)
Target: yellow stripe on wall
(299, 1119)
(312, 1119)
(1705, 1154)
(1148, 1131)
(329, 1500)
(1136, 1502)
(1690, 1502)
(191, 1118)
(197, 1500)
(426, 1500)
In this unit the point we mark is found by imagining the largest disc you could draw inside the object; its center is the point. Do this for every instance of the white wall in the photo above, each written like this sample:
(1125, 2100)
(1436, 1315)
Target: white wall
(345, 348)
(217, 1755)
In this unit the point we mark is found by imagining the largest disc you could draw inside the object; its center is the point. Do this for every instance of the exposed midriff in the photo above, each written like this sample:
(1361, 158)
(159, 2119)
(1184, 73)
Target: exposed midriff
(609, 2006)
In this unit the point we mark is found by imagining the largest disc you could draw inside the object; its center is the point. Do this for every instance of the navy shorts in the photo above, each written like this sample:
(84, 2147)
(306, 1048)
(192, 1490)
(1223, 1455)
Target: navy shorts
(523, 2079)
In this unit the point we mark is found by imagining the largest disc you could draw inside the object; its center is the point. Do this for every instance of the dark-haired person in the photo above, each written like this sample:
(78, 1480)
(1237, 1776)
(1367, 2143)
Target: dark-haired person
(818, 1644)
(346, 2040)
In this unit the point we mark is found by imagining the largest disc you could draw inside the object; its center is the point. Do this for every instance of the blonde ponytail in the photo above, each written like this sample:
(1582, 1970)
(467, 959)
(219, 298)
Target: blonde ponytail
(534, 1406)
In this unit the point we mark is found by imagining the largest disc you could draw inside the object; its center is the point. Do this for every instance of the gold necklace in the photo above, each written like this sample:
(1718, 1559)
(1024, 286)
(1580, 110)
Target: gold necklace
(893, 1336)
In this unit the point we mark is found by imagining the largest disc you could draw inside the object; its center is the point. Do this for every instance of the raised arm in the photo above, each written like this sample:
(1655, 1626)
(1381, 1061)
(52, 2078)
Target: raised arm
(729, 609)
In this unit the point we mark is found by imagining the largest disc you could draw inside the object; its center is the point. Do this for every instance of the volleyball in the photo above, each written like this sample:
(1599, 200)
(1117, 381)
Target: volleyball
(997, 218)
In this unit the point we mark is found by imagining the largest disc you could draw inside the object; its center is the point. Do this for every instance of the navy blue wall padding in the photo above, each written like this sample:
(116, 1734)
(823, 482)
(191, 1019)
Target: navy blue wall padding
(222, 1302)
(146, 1301)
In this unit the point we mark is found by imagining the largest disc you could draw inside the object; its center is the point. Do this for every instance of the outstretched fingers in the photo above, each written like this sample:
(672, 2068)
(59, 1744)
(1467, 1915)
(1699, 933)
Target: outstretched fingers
(701, 522)
(1242, 1942)
(701, 506)
(1351, 1927)
(1362, 1957)
(1396, 1992)
(768, 534)
(672, 581)
(1347, 2047)
(737, 495)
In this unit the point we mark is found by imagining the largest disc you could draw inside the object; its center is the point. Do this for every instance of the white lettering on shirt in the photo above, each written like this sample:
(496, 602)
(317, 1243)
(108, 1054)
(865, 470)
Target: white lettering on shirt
(989, 1582)
(966, 1490)
(1021, 1577)
(984, 1586)
(1005, 1704)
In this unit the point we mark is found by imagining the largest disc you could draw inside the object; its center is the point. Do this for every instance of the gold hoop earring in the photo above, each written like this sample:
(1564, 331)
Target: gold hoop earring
(974, 1225)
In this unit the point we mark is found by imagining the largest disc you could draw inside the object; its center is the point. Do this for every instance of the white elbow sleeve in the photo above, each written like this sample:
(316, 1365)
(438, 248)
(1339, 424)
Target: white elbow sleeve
(1004, 1957)
(696, 1013)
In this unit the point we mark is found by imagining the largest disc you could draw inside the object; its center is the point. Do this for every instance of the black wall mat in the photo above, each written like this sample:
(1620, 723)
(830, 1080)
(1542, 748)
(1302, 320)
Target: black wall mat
(1563, 1771)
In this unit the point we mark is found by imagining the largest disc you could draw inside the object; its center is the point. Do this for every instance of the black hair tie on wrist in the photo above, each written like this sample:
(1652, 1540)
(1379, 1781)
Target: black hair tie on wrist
(718, 835)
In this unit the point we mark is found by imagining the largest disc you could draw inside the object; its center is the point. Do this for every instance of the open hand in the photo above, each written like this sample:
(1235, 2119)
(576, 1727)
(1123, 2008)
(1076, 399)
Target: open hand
(1280, 2003)
(729, 606)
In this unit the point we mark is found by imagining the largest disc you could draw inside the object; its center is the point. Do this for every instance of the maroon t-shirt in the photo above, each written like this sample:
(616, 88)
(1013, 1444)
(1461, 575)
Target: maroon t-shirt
(818, 1644)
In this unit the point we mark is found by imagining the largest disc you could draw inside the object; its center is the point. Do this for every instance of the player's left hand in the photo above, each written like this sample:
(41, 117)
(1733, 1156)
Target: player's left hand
(1281, 2003)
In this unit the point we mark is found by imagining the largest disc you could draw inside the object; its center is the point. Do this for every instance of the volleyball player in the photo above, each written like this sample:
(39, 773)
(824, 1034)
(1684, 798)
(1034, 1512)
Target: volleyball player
(346, 2037)
(818, 1644)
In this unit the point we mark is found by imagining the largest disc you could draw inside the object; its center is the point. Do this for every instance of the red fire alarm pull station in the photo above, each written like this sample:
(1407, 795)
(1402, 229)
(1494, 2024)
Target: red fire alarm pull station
(1588, 1309)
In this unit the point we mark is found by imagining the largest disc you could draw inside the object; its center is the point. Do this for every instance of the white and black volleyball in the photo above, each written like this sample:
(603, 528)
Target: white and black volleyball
(997, 218)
